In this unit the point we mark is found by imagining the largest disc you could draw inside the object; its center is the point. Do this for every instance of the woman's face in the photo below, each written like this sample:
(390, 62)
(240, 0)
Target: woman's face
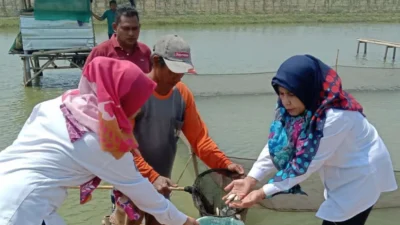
(292, 104)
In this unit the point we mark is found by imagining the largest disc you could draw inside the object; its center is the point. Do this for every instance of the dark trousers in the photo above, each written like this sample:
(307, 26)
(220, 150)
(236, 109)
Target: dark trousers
(358, 219)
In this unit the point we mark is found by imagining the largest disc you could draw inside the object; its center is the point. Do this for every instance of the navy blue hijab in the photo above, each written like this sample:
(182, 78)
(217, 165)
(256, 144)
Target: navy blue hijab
(294, 140)
(302, 75)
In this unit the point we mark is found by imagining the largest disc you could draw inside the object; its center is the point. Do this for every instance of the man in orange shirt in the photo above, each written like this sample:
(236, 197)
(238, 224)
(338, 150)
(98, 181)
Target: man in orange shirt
(169, 111)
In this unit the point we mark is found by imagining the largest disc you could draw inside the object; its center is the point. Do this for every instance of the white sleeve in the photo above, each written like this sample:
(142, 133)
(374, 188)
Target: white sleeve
(263, 166)
(336, 129)
(124, 175)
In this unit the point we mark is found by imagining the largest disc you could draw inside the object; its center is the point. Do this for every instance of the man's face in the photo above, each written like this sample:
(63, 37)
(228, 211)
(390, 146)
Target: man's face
(164, 75)
(113, 6)
(127, 30)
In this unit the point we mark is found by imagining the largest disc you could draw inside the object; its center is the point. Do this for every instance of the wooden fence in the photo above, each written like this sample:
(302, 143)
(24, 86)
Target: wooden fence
(170, 7)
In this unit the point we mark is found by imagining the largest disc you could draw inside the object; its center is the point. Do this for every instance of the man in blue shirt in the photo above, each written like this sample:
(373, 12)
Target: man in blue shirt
(110, 16)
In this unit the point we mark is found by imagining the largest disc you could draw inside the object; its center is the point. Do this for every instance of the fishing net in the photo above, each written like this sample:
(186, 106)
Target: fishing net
(78, 10)
(259, 83)
(208, 190)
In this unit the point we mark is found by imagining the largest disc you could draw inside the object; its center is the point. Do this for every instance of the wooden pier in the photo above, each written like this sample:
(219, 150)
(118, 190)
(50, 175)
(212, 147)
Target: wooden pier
(31, 62)
(42, 43)
(388, 45)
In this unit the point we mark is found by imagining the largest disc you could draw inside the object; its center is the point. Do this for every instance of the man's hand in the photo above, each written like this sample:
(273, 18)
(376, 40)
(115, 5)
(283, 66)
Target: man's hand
(191, 221)
(250, 199)
(236, 168)
(163, 184)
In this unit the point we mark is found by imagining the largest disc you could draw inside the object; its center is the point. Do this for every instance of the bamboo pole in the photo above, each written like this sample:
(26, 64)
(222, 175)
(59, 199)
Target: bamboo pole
(110, 187)
(184, 169)
(194, 156)
(337, 59)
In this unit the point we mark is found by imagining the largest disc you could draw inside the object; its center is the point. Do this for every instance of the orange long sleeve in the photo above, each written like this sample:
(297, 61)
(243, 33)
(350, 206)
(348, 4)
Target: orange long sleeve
(196, 133)
(144, 168)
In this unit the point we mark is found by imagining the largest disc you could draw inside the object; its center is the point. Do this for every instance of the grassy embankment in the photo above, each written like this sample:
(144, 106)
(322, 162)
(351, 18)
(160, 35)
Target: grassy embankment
(220, 12)
(231, 19)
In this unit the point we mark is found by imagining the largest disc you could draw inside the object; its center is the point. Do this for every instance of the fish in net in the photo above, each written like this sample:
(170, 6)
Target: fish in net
(207, 192)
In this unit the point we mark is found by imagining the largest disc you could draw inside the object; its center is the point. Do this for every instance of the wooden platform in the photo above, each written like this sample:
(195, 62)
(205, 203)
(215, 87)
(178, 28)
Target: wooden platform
(31, 61)
(388, 45)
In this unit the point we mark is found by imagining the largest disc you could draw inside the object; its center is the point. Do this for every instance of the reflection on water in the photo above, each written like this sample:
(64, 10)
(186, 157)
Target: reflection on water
(239, 123)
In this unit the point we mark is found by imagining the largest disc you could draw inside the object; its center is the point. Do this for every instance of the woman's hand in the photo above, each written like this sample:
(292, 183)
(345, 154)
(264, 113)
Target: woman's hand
(191, 221)
(250, 199)
(240, 188)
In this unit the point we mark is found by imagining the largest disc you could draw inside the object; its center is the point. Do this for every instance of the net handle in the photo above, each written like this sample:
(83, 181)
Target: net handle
(110, 187)
(177, 188)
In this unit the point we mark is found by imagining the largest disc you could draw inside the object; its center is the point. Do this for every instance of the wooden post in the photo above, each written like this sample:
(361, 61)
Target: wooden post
(386, 51)
(236, 6)
(165, 7)
(358, 47)
(29, 4)
(394, 53)
(91, 21)
(365, 48)
(36, 65)
(27, 70)
(24, 4)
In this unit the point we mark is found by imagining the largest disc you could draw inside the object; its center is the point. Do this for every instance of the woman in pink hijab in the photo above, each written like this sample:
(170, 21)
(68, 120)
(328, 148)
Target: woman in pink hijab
(79, 139)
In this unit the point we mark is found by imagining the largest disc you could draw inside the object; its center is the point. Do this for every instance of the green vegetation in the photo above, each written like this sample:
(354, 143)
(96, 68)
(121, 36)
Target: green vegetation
(282, 18)
(220, 12)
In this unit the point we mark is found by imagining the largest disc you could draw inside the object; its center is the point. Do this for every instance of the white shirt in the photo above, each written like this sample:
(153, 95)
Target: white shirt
(42, 161)
(352, 160)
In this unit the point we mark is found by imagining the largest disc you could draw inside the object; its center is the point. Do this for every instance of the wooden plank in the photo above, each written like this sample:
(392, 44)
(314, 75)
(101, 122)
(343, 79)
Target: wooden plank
(71, 50)
(379, 42)
(390, 42)
(393, 45)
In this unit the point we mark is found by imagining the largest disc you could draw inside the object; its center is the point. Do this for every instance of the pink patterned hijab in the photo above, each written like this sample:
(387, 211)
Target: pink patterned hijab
(110, 92)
